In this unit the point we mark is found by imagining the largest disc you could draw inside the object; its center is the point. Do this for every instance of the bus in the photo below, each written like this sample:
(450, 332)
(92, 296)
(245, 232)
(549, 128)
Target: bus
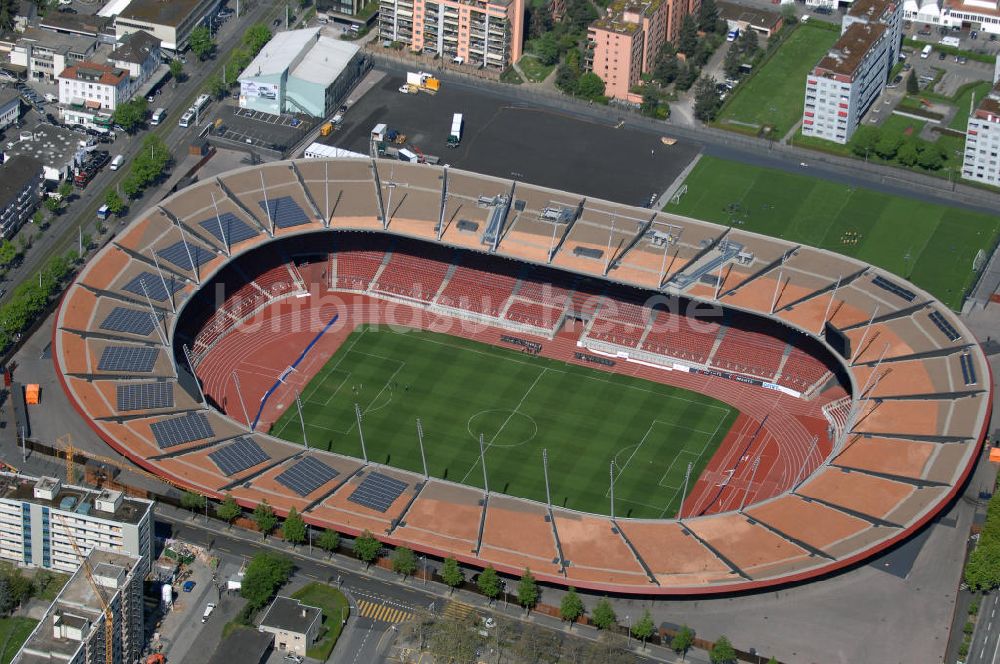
(186, 119)
(158, 116)
(200, 103)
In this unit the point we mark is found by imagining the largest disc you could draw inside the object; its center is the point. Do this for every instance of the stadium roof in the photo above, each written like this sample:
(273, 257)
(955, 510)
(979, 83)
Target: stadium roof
(922, 389)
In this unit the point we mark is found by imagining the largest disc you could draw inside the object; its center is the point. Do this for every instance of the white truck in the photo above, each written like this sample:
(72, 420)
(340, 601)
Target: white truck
(954, 42)
(455, 137)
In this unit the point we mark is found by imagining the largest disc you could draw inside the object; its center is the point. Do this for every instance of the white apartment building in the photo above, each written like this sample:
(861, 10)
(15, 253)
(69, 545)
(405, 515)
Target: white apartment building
(73, 630)
(138, 53)
(982, 141)
(45, 54)
(90, 92)
(38, 517)
(845, 83)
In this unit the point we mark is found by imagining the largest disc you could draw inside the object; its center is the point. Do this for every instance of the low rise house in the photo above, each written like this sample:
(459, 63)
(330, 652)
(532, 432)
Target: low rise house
(295, 625)
(90, 92)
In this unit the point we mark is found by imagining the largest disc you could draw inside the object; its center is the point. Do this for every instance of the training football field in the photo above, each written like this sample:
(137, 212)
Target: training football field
(521, 404)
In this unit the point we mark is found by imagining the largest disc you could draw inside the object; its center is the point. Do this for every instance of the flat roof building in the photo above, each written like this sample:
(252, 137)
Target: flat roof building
(982, 141)
(73, 630)
(39, 517)
(20, 186)
(739, 17)
(850, 77)
(301, 71)
(46, 54)
(170, 22)
(58, 149)
(244, 646)
(294, 625)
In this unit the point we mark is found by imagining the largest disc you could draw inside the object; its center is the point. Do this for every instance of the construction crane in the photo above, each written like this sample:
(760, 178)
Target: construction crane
(109, 621)
(66, 443)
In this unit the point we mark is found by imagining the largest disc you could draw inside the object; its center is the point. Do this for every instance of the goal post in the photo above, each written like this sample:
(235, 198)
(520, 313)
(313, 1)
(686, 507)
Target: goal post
(676, 198)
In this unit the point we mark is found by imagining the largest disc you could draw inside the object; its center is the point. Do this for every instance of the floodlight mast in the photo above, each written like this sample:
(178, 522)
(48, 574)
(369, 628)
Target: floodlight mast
(239, 393)
(420, 439)
(302, 421)
(545, 470)
(687, 476)
(361, 434)
(482, 457)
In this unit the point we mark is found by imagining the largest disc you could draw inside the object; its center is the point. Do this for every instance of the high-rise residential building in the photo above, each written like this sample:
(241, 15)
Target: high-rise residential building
(476, 32)
(622, 44)
(982, 141)
(74, 629)
(39, 517)
(845, 83)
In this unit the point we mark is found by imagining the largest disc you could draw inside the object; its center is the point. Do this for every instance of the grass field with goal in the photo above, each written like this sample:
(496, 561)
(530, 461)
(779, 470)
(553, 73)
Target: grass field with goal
(932, 245)
(521, 404)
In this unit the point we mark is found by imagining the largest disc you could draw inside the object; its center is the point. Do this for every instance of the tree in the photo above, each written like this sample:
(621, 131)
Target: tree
(546, 49)
(263, 576)
(8, 252)
(603, 616)
(367, 548)
(451, 573)
(931, 157)
(52, 204)
(731, 65)
(130, 187)
(201, 42)
(294, 528)
(708, 16)
(912, 85)
(682, 641)
(114, 202)
(404, 561)
(527, 590)
(687, 41)
(215, 87)
(590, 86)
(747, 43)
(6, 597)
(665, 64)
(568, 73)
(191, 500)
(265, 518)
(229, 509)
(255, 37)
(644, 629)
(176, 70)
(773, 660)
(722, 652)
(328, 540)
(452, 640)
(65, 189)
(908, 153)
(489, 582)
(888, 145)
(865, 140)
(131, 114)
(571, 607)
(539, 20)
(686, 76)
(706, 99)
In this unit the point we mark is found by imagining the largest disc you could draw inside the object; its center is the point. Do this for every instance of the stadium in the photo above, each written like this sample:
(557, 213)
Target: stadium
(618, 399)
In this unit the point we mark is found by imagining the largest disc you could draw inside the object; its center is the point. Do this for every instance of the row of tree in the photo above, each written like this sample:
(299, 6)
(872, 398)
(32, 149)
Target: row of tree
(908, 151)
(982, 571)
(253, 40)
(149, 165)
(16, 588)
(32, 297)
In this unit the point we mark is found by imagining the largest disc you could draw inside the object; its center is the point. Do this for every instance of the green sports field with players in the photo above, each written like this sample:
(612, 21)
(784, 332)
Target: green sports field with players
(520, 404)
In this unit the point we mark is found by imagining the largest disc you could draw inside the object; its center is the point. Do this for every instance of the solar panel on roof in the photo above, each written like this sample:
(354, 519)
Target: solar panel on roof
(180, 430)
(144, 396)
(895, 289)
(235, 230)
(306, 476)
(946, 328)
(154, 286)
(284, 212)
(181, 254)
(378, 492)
(241, 454)
(134, 321)
(138, 359)
(968, 369)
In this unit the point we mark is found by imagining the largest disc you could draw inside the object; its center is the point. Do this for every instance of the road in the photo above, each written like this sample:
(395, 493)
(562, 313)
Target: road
(985, 648)
(64, 232)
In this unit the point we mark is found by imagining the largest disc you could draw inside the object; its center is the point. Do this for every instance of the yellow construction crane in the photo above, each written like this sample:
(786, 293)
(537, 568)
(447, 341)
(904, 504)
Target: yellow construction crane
(109, 621)
(66, 442)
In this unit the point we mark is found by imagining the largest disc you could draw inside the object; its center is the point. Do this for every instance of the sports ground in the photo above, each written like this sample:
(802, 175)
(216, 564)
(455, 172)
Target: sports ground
(933, 246)
(521, 404)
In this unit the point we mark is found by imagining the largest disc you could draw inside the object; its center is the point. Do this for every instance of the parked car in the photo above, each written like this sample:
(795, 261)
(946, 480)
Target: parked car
(188, 586)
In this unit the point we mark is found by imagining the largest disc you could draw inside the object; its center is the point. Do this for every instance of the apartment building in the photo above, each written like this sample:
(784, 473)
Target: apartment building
(170, 22)
(74, 631)
(45, 54)
(39, 516)
(20, 185)
(622, 44)
(982, 141)
(488, 33)
(845, 83)
(139, 55)
(90, 92)
(10, 107)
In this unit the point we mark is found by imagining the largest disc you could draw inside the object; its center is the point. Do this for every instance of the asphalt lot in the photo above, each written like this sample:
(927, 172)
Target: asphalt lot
(517, 140)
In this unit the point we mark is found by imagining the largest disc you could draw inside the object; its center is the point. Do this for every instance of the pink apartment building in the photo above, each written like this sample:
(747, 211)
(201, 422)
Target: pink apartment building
(479, 32)
(623, 43)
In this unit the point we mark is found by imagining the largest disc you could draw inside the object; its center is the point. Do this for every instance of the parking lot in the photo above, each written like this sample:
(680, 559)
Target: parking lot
(516, 140)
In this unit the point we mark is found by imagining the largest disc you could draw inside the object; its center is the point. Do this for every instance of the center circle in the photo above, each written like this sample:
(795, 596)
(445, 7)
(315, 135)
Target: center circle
(502, 424)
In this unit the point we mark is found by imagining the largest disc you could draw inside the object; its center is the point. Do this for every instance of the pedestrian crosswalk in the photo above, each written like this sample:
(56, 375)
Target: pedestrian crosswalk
(457, 611)
(382, 612)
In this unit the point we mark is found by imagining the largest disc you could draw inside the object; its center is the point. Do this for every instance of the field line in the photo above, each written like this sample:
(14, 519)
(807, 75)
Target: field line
(505, 422)
(337, 365)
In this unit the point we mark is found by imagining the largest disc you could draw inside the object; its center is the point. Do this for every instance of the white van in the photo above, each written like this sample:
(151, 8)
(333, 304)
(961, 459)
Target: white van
(158, 116)
(926, 52)
(186, 119)
(208, 611)
(117, 162)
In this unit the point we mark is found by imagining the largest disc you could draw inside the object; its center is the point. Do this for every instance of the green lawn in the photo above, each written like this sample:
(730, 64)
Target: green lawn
(932, 245)
(533, 68)
(13, 633)
(335, 611)
(904, 126)
(521, 405)
(963, 103)
(776, 94)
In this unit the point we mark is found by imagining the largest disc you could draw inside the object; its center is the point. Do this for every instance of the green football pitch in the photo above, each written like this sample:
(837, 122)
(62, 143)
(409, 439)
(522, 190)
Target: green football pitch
(933, 246)
(521, 404)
